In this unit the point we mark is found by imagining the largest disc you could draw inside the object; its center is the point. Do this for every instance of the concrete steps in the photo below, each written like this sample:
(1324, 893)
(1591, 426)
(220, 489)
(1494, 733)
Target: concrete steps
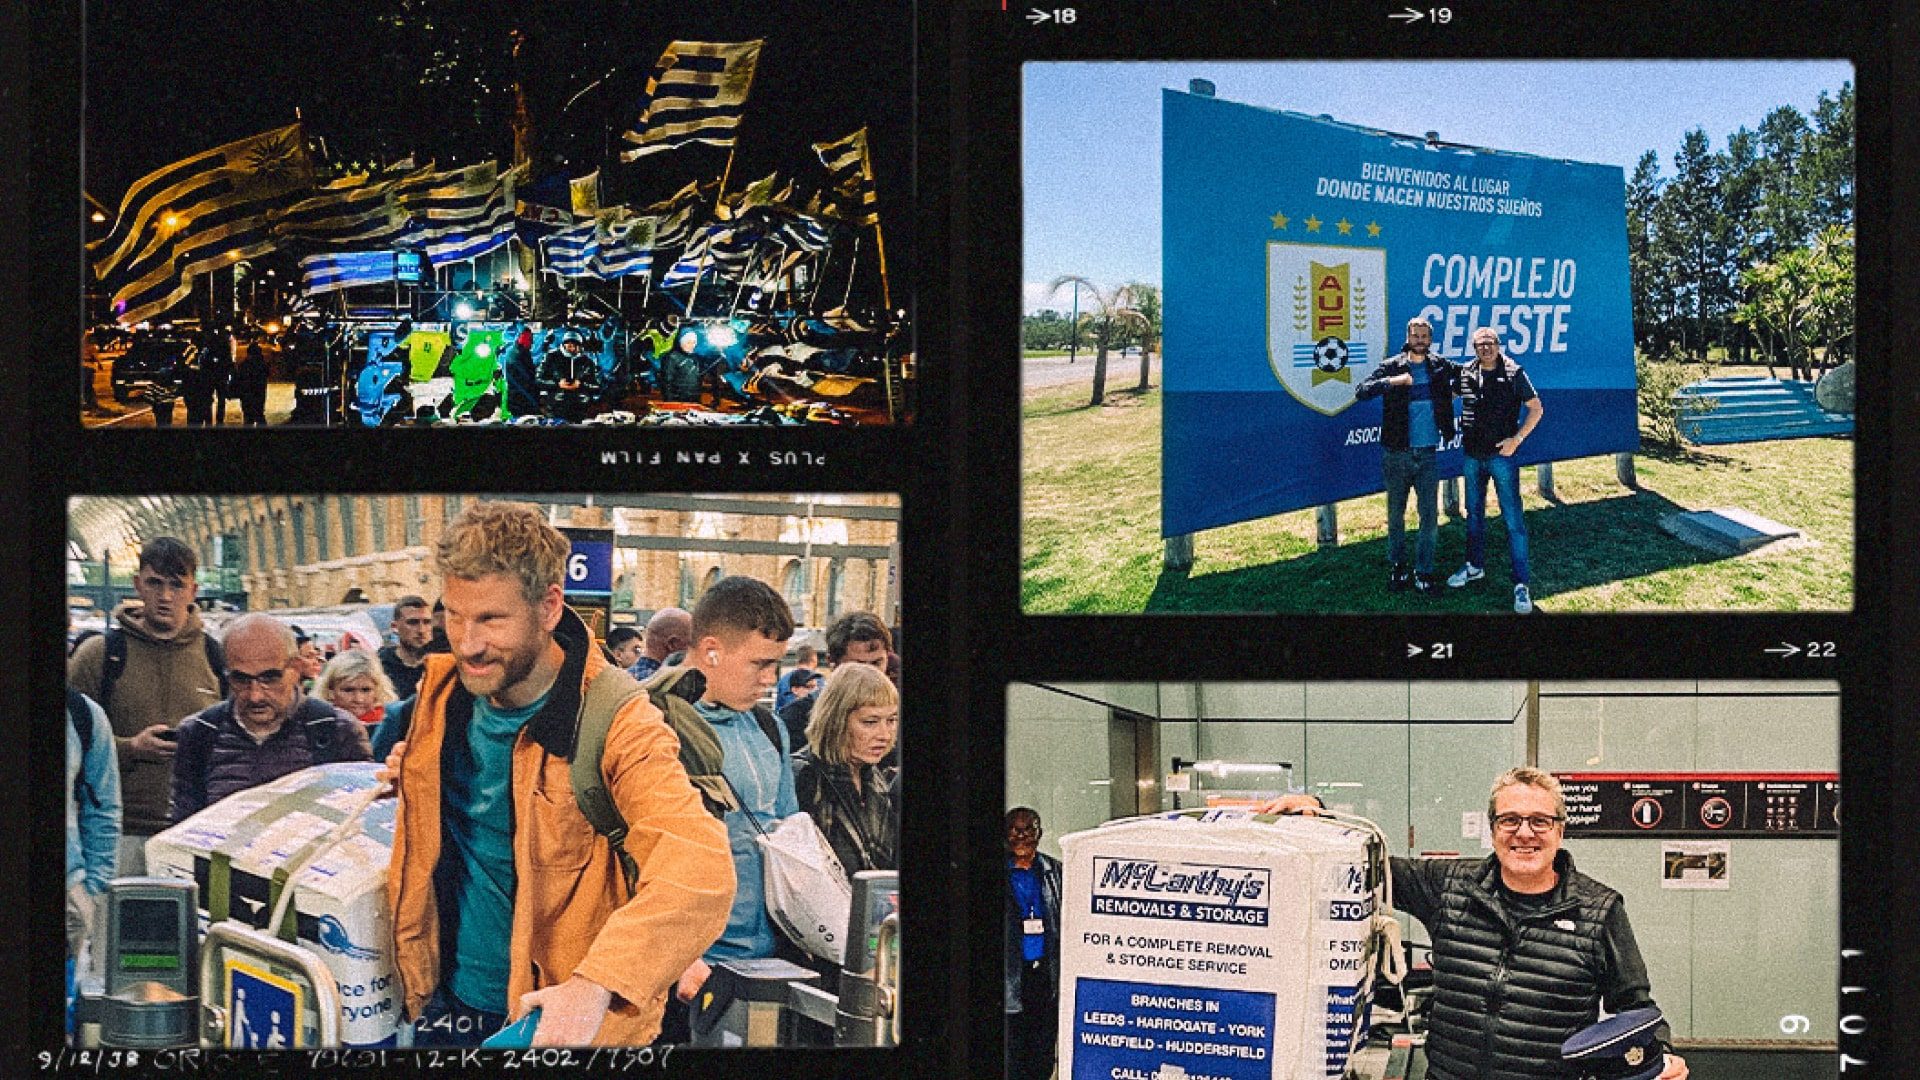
(1755, 409)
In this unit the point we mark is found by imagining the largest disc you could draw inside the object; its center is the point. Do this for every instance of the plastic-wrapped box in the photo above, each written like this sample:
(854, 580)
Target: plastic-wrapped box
(339, 903)
(1212, 944)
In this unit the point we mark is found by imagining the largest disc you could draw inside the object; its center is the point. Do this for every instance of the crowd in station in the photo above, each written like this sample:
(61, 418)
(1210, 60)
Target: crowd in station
(709, 732)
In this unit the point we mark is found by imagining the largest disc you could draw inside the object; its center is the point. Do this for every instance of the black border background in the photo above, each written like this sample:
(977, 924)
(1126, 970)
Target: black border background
(957, 469)
(1876, 642)
(61, 460)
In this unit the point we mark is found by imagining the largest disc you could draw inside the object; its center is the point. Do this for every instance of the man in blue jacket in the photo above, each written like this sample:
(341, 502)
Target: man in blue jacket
(93, 820)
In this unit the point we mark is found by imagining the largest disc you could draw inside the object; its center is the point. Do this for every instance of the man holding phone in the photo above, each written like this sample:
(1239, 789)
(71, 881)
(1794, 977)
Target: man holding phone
(156, 667)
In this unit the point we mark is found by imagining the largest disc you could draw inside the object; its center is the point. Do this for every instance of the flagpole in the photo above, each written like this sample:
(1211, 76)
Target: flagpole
(820, 277)
(880, 248)
(752, 258)
(852, 266)
(720, 196)
(879, 238)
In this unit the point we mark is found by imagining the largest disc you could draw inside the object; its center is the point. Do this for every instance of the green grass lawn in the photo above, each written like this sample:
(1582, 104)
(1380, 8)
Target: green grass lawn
(1090, 531)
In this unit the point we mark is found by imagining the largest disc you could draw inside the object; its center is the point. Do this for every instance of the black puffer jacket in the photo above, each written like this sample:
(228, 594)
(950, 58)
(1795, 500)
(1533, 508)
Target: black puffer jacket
(1441, 375)
(1510, 986)
(217, 757)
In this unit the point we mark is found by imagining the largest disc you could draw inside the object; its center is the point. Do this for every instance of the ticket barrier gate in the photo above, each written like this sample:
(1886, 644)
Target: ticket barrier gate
(143, 994)
(162, 985)
(868, 1012)
(771, 1002)
(263, 993)
(745, 1003)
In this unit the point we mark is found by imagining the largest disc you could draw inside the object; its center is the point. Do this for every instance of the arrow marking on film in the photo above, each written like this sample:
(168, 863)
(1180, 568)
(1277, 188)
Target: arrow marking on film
(1410, 15)
(1784, 649)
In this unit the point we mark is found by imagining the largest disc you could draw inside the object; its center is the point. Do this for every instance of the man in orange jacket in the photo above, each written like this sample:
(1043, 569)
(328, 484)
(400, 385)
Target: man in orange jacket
(489, 845)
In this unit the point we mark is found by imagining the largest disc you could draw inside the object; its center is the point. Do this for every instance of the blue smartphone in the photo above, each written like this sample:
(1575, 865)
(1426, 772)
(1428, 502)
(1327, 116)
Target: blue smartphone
(515, 1036)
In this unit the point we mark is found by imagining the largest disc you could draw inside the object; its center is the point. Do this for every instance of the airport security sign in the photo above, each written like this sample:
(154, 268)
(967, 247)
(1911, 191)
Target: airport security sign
(1296, 250)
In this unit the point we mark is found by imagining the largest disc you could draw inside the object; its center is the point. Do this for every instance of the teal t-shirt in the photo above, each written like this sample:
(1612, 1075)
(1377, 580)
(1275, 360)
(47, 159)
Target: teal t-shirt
(477, 817)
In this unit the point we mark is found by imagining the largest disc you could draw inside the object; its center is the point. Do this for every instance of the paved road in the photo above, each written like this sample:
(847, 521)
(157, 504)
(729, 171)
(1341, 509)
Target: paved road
(133, 414)
(1043, 372)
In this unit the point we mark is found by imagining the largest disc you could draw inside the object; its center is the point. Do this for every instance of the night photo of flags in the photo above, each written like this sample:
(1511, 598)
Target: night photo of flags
(672, 214)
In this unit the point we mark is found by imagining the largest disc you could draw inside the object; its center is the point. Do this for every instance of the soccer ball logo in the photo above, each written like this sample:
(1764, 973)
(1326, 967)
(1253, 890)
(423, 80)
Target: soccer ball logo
(1330, 354)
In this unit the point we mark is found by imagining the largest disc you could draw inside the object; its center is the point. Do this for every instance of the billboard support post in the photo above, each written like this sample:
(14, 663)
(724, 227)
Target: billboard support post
(1179, 552)
(1327, 526)
(1623, 471)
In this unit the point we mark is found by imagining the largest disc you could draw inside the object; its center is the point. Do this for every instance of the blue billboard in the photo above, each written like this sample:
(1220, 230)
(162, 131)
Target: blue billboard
(1295, 251)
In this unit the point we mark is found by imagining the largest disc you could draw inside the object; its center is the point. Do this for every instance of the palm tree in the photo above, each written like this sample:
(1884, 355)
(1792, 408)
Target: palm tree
(1109, 318)
(1146, 300)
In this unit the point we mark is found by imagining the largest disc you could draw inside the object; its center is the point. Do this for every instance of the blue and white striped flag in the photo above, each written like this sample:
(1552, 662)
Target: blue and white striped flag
(627, 246)
(697, 94)
(196, 216)
(331, 271)
(723, 251)
(347, 214)
(847, 163)
(570, 252)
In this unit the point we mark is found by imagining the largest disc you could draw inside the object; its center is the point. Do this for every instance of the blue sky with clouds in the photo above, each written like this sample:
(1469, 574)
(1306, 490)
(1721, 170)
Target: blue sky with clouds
(1091, 130)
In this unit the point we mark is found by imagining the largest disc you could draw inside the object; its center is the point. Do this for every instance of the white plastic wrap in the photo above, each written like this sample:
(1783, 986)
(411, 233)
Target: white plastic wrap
(1212, 945)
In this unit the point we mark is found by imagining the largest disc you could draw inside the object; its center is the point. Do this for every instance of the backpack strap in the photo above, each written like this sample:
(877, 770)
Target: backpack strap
(769, 725)
(113, 664)
(606, 695)
(217, 660)
(81, 718)
(116, 662)
(700, 752)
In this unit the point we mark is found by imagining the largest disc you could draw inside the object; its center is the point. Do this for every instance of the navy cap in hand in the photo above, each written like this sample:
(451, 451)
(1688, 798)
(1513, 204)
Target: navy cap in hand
(1621, 1047)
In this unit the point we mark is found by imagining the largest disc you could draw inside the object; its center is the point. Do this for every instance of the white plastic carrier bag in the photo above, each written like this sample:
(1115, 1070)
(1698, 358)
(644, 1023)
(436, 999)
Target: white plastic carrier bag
(808, 895)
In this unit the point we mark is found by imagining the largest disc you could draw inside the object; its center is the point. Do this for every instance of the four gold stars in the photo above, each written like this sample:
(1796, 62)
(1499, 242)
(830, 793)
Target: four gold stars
(1281, 221)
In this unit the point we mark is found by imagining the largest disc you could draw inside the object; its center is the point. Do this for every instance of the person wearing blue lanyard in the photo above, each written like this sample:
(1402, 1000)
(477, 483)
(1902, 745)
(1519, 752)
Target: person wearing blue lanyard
(1033, 949)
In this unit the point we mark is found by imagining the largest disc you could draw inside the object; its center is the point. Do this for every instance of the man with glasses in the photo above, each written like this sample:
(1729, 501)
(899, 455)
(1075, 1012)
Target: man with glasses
(1526, 949)
(265, 729)
(1494, 392)
(155, 666)
(1032, 949)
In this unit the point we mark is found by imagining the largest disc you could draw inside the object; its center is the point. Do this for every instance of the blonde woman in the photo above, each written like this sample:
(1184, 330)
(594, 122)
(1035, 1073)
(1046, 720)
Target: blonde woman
(838, 777)
(354, 683)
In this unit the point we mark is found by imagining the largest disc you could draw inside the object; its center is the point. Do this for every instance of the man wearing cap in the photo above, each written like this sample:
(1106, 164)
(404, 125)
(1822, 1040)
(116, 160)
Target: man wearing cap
(1526, 949)
(1416, 422)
